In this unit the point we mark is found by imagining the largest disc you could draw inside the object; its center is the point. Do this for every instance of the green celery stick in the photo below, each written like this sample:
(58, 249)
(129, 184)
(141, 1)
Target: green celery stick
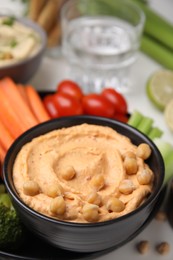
(155, 132)
(156, 25)
(158, 52)
(135, 118)
(166, 150)
(164, 147)
(168, 167)
(145, 125)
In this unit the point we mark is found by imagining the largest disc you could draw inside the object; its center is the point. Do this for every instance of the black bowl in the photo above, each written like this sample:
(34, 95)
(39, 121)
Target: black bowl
(84, 237)
(24, 70)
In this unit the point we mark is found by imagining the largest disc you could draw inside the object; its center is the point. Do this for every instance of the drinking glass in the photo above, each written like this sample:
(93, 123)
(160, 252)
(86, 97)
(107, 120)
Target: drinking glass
(100, 41)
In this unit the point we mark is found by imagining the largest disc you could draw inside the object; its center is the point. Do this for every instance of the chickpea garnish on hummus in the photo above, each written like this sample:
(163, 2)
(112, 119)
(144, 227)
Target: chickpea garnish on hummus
(83, 173)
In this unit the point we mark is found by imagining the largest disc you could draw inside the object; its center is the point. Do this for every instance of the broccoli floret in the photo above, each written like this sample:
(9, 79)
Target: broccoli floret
(11, 229)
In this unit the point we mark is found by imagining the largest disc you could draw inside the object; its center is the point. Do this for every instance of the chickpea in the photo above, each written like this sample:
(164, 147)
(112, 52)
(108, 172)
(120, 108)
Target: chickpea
(163, 248)
(90, 212)
(126, 187)
(68, 173)
(31, 188)
(98, 182)
(94, 198)
(143, 151)
(145, 176)
(115, 205)
(58, 206)
(130, 165)
(129, 154)
(143, 247)
(54, 190)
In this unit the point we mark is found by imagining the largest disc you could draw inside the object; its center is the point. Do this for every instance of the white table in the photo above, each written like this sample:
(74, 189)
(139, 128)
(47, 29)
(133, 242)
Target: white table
(52, 71)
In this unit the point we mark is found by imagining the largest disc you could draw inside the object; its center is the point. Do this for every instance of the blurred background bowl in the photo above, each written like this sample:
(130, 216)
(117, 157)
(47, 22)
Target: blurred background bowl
(24, 70)
(85, 237)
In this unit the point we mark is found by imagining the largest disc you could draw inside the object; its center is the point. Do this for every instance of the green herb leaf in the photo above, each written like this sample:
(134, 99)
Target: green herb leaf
(9, 21)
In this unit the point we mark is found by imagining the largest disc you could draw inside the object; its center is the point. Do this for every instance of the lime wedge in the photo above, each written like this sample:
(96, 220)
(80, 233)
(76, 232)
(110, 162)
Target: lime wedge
(168, 114)
(159, 88)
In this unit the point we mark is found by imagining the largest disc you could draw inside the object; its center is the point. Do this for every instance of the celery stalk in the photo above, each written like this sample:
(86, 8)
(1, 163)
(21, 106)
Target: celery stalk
(157, 26)
(155, 132)
(164, 147)
(157, 52)
(145, 125)
(168, 167)
(157, 40)
(135, 119)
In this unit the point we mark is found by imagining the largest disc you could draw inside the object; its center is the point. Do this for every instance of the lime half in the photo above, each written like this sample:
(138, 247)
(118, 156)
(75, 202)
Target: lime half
(168, 114)
(159, 88)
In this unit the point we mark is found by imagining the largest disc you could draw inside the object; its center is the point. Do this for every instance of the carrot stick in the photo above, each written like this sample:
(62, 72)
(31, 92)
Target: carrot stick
(9, 118)
(22, 91)
(36, 104)
(5, 137)
(18, 103)
(2, 153)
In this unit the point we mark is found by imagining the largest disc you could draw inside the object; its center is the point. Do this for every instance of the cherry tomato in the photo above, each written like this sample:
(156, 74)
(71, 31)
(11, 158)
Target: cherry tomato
(66, 105)
(121, 117)
(71, 88)
(116, 99)
(95, 104)
(50, 106)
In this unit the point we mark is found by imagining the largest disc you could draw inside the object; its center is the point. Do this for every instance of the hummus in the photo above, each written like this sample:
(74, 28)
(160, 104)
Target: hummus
(18, 41)
(83, 173)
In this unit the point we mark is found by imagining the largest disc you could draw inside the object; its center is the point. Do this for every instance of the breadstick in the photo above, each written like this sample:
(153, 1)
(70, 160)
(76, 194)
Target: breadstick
(54, 36)
(49, 14)
(35, 7)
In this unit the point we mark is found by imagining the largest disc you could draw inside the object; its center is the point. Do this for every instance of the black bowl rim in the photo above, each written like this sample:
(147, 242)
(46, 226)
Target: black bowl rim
(43, 37)
(153, 196)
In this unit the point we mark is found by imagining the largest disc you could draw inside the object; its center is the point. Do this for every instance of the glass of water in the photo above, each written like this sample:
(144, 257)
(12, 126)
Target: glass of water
(100, 41)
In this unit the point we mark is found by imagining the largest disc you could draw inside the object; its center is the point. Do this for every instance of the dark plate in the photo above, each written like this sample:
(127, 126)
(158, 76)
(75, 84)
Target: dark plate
(35, 249)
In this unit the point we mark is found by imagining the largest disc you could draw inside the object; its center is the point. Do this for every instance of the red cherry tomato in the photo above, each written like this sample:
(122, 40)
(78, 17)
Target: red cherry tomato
(71, 88)
(116, 99)
(95, 104)
(121, 117)
(50, 106)
(66, 105)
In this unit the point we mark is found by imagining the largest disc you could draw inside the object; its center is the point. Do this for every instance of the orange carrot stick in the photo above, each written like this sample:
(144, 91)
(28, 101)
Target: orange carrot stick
(36, 104)
(22, 91)
(5, 138)
(2, 153)
(9, 118)
(17, 102)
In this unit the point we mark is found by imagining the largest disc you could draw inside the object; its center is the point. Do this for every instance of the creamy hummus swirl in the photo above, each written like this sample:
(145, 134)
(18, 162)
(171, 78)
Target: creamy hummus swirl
(90, 150)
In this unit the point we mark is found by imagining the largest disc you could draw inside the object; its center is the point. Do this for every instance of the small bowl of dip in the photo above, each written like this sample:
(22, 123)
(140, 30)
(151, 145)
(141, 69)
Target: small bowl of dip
(22, 45)
(84, 183)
